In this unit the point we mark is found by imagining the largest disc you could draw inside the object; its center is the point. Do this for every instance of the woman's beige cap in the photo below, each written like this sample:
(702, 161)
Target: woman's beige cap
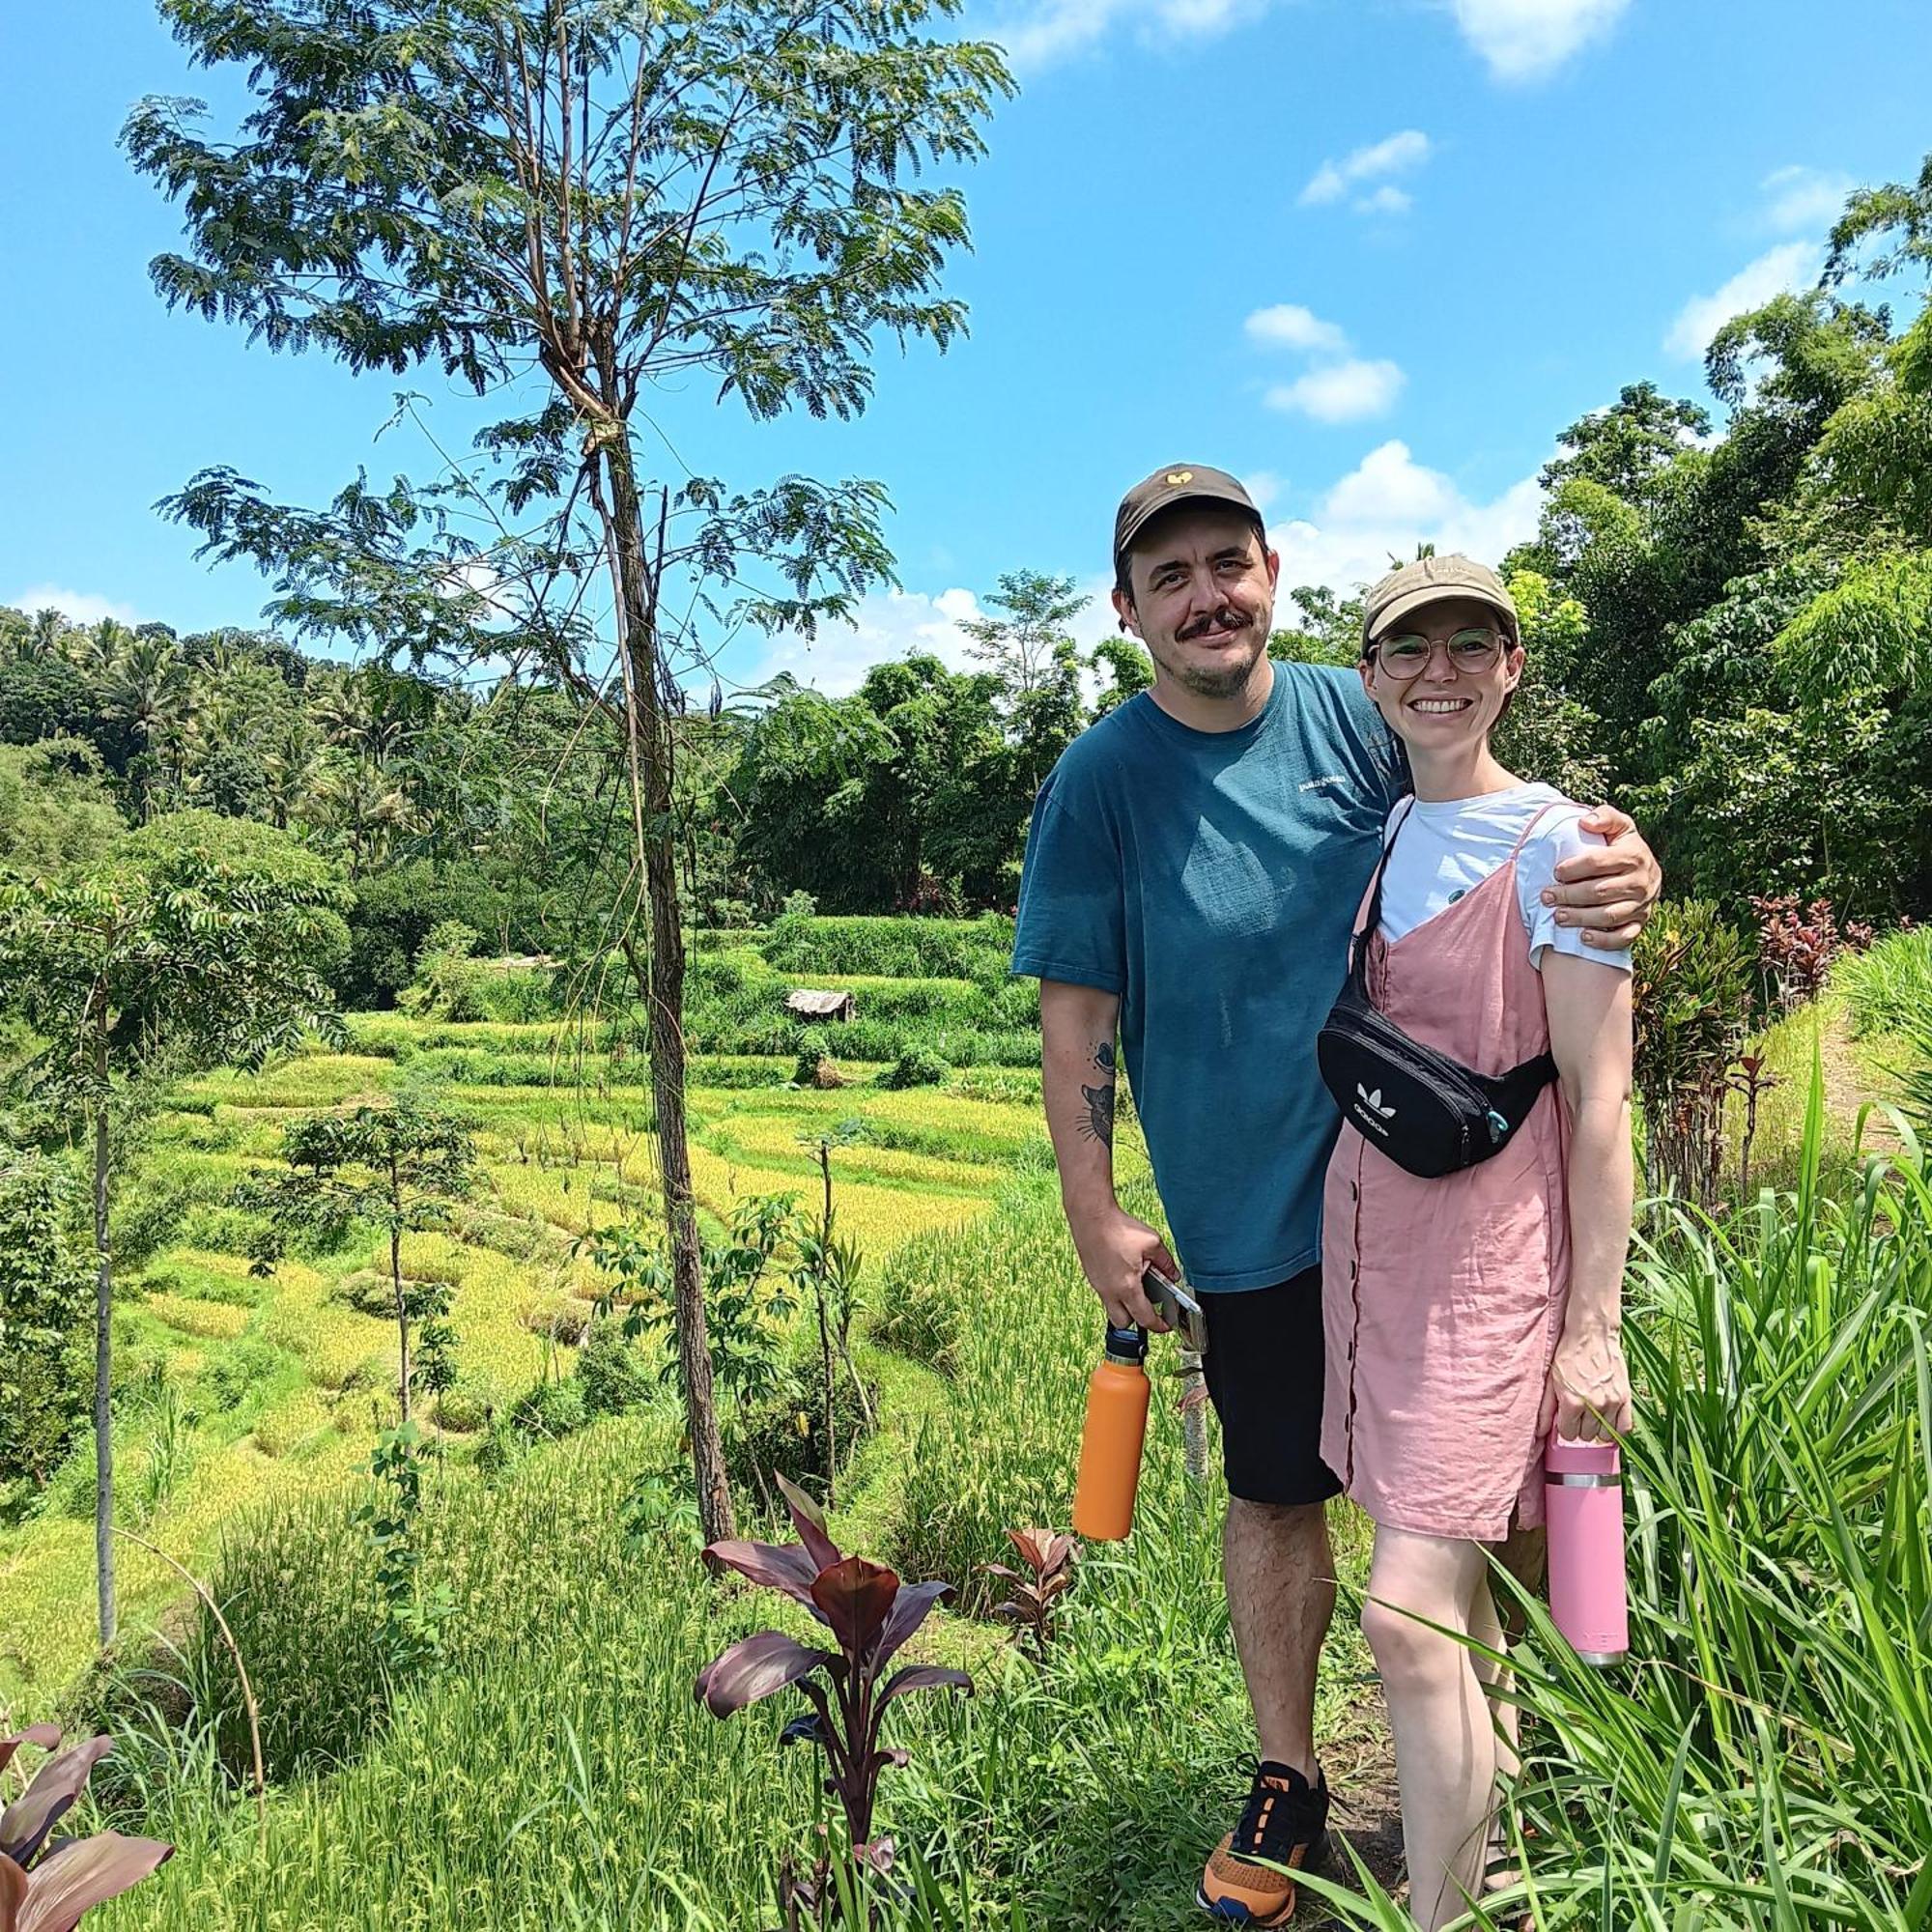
(1429, 580)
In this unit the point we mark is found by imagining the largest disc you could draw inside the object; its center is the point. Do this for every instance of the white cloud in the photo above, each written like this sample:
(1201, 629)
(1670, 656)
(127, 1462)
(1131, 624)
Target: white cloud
(1388, 199)
(893, 623)
(1264, 486)
(1341, 391)
(1791, 265)
(1036, 36)
(1332, 180)
(1526, 39)
(1804, 198)
(889, 624)
(79, 607)
(1290, 326)
(1375, 517)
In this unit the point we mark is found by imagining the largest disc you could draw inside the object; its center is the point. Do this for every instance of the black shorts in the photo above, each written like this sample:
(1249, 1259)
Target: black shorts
(1264, 1369)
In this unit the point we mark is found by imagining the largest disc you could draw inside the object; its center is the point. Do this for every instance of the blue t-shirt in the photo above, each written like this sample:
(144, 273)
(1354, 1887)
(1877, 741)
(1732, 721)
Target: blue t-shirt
(1210, 879)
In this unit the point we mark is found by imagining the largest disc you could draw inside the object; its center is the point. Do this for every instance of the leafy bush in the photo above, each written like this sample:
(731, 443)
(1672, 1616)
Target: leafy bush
(611, 1373)
(1693, 1008)
(45, 1292)
(552, 1410)
(916, 1066)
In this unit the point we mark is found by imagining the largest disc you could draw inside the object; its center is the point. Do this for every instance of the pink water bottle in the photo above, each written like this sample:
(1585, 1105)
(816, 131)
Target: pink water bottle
(1583, 1491)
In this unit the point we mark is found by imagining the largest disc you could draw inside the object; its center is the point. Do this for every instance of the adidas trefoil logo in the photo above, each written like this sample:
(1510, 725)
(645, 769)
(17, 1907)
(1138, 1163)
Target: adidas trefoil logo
(1373, 1102)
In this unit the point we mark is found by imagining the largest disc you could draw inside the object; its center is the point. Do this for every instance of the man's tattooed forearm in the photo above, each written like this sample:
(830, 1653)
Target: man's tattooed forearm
(1099, 1125)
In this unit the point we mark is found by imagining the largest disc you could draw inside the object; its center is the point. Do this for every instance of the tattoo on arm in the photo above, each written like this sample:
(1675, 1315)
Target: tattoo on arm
(1099, 1125)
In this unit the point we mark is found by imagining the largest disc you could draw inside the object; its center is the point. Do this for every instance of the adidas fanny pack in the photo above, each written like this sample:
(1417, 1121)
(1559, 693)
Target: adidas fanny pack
(1426, 1112)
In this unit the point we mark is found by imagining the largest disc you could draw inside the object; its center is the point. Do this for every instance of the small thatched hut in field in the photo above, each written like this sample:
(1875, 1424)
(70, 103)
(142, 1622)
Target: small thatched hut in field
(815, 1006)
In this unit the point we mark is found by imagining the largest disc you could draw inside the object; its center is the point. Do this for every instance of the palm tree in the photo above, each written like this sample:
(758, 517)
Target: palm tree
(291, 762)
(152, 688)
(359, 802)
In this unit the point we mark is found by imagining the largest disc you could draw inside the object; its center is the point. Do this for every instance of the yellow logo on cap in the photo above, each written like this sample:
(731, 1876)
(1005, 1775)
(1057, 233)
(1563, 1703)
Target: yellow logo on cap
(1181, 476)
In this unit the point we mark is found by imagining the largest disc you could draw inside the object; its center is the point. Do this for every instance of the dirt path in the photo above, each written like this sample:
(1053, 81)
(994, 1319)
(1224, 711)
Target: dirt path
(1359, 1764)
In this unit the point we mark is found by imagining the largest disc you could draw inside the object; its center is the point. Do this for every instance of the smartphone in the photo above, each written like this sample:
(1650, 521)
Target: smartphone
(1177, 1308)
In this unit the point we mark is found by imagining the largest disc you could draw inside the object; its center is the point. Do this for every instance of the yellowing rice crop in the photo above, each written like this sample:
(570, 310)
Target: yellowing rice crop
(204, 1319)
(301, 1412)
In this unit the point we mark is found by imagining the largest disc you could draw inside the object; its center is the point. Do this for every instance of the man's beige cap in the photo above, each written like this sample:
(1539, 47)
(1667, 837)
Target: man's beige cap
(1429, 580)
(1178, 483)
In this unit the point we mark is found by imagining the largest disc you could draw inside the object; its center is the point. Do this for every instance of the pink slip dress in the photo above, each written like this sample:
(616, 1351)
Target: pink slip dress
(1444, 1300)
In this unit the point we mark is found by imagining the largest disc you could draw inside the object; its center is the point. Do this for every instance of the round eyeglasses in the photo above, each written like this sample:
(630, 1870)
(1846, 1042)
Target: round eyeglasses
(1404, 655)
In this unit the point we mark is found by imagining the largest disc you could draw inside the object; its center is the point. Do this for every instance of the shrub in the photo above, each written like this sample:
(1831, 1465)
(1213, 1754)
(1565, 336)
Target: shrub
(460, 1410)
(44, 1296)
(1798, 943)
(611, 1371)
(916, 1066)
(1693, 1008)
(551, 1409)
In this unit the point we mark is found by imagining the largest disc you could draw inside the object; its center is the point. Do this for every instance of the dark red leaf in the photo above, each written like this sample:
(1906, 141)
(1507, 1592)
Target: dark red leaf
(810, 1521)
(856, 1597)
(755, 1668)
(923, 1677)
(774, 1565)
(1027, 1542)
(1000, 1570)
(13, 1895)
(32, 1815)
(911, 1607)
(45, 1736)
(85, 1874)
(805, 1728)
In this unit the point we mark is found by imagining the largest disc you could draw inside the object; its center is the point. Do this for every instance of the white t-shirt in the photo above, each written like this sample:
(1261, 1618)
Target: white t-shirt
(1449, 848)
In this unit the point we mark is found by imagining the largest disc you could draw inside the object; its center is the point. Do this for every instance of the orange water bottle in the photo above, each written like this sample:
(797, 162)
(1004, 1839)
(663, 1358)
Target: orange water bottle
(1110, 1444)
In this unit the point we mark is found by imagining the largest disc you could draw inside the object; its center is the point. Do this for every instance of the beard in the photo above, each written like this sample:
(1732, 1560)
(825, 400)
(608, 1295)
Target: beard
(1226, 679)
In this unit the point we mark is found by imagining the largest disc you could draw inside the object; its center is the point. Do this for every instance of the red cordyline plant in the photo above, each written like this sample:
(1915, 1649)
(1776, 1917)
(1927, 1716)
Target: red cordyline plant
(1048, 1554)
(869, 1614)
(48, 1882)
(1797, 945)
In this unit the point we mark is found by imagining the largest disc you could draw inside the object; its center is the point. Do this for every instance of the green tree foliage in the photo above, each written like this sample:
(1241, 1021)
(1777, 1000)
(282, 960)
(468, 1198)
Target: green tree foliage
(54, 809)
(196, 942)
(398, 1167)
(616, 198)
(44, 1299)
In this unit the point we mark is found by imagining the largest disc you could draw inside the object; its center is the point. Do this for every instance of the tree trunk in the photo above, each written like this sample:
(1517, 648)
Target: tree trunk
(660, 974)
(402, 1311)
(104, 1350)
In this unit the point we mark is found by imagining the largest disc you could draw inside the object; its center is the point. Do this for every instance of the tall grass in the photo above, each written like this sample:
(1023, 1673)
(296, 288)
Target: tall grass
(1888, 986)
(1765, 1760)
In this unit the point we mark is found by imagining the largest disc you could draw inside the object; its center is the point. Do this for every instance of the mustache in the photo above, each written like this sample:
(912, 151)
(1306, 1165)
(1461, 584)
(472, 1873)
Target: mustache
(1226, 615)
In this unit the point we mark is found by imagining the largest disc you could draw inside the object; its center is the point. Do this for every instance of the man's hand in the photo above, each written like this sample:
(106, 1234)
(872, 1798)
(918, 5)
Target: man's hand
(1608, 891)
(1115, 1249)
(1588, 1395)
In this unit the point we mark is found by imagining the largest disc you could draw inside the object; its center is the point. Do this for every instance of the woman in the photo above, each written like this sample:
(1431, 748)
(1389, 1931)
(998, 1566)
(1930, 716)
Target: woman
(1466, 1316)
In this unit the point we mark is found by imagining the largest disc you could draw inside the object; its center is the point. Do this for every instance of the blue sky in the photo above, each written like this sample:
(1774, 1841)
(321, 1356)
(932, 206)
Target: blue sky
(1371, 254)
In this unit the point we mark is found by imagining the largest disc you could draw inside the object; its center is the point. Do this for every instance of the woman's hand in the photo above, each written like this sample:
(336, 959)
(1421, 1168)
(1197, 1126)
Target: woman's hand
(1588, 1394)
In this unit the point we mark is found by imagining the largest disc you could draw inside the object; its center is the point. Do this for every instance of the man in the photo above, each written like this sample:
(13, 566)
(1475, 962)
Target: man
(1192, 874)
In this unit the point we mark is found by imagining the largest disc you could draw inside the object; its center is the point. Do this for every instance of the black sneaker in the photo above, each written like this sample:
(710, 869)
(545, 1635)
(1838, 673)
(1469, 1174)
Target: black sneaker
(1251, 1878)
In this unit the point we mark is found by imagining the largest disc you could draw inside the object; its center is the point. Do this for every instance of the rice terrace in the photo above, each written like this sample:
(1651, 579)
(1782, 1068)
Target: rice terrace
(668, 1043)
